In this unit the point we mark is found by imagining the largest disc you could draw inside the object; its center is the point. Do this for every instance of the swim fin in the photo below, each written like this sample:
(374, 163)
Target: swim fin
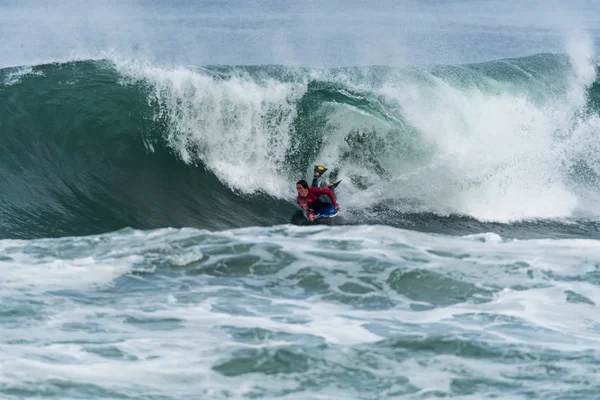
(320, 169)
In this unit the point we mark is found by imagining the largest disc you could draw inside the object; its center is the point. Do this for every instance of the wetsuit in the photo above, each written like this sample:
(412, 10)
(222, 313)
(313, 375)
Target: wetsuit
(312, 202)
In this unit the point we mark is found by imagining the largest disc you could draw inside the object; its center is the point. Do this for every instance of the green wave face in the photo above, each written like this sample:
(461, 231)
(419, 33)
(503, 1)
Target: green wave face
(93, 146)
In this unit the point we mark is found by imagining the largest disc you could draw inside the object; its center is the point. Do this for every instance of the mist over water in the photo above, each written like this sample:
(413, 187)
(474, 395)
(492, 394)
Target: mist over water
(317, 34)
(151, 247)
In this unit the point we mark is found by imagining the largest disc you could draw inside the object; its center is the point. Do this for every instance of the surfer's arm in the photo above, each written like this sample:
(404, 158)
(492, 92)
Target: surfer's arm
(320, 191)
(303, 203)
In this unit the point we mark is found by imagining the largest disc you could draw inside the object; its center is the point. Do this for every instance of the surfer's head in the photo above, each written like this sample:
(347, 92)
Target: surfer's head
(302, 188)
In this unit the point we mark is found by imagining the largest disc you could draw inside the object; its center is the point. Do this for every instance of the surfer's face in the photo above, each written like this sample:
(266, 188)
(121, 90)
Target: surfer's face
(302, 192)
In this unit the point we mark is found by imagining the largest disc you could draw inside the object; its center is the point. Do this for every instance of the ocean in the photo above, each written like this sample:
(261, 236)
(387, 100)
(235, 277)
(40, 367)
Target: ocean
(150, 242)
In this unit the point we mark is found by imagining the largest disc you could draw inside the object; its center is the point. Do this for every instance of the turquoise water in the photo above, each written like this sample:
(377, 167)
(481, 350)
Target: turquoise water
(151, 247)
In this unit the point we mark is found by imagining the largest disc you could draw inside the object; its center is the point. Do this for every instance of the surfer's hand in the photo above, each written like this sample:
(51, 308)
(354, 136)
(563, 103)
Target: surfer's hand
(311, 216)
(337, 208)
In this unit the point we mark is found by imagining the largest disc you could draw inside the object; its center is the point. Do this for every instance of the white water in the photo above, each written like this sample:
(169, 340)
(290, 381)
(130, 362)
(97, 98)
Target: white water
(497, 153)
(360, 312)
(135, 321)
(239, 128)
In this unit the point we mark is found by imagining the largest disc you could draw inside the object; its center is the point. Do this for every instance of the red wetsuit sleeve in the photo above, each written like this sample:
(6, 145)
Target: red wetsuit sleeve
(318, 191)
